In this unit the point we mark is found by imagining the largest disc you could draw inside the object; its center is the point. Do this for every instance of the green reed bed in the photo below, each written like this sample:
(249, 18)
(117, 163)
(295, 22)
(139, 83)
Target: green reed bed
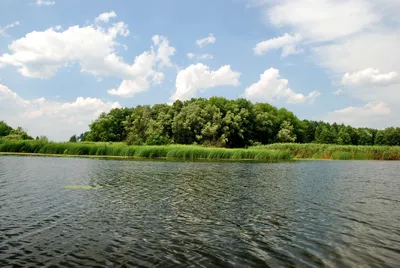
(189, 152)
(336, 152)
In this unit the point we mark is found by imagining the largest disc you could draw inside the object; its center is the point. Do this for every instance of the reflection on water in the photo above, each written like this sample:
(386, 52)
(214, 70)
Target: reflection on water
(183, 214)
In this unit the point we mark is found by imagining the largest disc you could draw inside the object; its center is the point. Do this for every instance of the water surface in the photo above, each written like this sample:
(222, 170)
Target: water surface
(198, 214)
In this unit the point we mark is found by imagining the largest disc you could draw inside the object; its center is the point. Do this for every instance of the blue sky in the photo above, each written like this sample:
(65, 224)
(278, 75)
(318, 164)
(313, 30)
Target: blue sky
(63, 62)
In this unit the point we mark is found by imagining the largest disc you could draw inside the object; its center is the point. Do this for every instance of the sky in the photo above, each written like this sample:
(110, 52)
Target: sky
(64, 62)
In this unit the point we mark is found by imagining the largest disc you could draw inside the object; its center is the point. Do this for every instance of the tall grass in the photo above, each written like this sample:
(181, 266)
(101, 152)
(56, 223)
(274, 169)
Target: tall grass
(273, 152)
(189, 152)
(337, 152)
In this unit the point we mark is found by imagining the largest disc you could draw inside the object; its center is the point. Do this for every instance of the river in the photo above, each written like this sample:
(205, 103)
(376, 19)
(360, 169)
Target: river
(198, 214)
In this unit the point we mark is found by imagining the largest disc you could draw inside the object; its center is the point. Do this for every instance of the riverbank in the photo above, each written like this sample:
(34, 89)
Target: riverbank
(273, 152)
(120, 150)
(336, 152)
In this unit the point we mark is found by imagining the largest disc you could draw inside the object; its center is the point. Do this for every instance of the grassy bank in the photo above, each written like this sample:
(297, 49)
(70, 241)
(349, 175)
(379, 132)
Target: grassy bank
(273, 152)
(337, 152)
(119, 149)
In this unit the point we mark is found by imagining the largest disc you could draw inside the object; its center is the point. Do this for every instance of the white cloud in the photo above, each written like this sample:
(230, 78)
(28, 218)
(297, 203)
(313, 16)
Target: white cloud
(338, 92)
(45, 2)
(271, 87)
(105, 17)
(41, 54)
(323, 20)
(164, 50)
(352, 55)
(287, 42)
(204, 56)
(3, 30)
(199, 77)
(57, 120)
(370, 77)
(373, 114)
(143, 68)
(129, 88)
(210, 39)
(348, 37)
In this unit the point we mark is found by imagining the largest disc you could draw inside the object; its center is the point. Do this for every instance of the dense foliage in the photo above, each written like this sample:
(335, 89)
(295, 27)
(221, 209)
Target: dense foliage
(8, 133)
(225, 123)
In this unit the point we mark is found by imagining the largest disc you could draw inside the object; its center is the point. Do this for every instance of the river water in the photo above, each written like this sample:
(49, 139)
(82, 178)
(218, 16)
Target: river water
(198, 214)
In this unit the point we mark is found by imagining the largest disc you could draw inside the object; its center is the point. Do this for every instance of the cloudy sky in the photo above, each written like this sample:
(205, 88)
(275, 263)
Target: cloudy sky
(63, 62)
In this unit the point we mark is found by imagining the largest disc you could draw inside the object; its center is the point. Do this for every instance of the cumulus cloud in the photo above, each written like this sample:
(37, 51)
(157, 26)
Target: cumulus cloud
(3, 30)
(286, 42)
(323, 20)
(370, 115)
(370, 77)
(164, 50)
(199, 77)
(337, 33)
(204, 56)
(57, 120)
(144, 69)
(271, 87)
(105, 17)
(45, 2)
(41, 54)
(352, 54)
(210, 39)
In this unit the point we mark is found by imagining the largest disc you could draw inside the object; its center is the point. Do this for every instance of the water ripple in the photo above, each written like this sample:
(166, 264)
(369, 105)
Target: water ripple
(194, 214)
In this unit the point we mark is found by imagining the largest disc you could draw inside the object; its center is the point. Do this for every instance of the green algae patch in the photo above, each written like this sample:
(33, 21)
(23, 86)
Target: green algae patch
(82, 187)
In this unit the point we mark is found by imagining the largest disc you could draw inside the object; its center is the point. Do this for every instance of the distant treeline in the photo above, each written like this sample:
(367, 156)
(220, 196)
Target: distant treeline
(9, 133)
(224, 123)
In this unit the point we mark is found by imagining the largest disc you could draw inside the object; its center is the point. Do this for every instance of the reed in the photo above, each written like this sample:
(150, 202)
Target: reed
(337, 152)
(189, 152)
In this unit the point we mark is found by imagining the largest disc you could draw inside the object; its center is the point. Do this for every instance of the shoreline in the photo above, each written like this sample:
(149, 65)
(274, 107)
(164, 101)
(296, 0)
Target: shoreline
(262, 153)
(116, 157)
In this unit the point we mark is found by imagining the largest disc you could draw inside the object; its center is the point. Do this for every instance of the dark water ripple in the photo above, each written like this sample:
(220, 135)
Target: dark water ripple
(174, 214)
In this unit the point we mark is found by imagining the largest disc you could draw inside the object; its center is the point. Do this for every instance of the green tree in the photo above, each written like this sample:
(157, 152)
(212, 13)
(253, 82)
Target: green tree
(73, 138)
(327, 136)
(286, 133)
(5, 129)
(221, 122)
(344, 137)
(365, 137)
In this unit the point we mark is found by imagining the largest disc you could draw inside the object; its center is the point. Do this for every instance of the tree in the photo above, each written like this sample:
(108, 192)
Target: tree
(365, 137)
(391, 136)
(327, 136)
(20, 134)
(286, 133)
(221, 122)
(344, 137)
(379, 138)
(73, 138)
(5, 129)
(83, 136)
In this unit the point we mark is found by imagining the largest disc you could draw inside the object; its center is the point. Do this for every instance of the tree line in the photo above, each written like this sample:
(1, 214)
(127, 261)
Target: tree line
(9, 133)
(224, 123)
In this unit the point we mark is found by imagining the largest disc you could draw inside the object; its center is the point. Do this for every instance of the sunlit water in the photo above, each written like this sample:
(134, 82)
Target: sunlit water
(198, 214)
